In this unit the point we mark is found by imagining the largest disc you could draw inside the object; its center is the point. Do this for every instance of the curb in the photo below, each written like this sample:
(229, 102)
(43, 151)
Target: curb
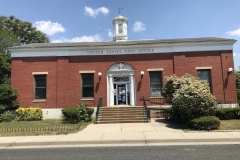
(14, 144)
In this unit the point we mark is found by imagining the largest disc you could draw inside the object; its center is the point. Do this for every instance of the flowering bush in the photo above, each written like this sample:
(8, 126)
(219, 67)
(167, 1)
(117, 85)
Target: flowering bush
(191, 98)
(29, 114)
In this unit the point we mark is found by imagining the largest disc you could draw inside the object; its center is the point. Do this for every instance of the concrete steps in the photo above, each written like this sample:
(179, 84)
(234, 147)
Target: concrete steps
(121, 115)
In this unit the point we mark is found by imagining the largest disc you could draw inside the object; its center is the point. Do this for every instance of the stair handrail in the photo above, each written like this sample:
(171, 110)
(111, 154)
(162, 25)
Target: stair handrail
(146, 110)
(98, 107)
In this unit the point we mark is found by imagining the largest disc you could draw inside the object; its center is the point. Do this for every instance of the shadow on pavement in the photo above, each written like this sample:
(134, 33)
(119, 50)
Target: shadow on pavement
(170, 124)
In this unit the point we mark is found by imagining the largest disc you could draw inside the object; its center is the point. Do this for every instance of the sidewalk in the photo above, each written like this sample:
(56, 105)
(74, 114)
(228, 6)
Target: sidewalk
(125, 133)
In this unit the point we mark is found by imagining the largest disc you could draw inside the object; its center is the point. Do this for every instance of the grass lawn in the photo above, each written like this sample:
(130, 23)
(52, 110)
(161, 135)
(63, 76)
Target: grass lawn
(233, 124)
(44, 127)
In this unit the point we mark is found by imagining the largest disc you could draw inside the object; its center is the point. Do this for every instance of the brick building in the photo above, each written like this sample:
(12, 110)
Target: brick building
(58, 75)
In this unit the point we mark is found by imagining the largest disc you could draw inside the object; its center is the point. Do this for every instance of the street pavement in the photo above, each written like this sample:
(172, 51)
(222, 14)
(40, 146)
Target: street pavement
(156, 131)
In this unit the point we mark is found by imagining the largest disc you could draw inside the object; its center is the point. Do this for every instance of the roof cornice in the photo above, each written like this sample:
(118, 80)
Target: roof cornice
(158, 46)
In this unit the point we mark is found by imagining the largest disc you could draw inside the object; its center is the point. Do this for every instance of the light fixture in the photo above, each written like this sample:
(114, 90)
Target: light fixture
(99, 75)
(230, 70)
(142, 73)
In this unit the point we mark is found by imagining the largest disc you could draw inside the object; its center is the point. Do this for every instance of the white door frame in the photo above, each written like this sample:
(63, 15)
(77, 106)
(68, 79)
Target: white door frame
(120, 70)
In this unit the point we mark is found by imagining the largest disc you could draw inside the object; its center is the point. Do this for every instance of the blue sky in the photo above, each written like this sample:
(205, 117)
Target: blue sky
(91, 20)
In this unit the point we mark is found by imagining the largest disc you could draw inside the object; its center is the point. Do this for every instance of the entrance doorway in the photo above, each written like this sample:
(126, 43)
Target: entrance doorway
(121, 94)
(121, 85)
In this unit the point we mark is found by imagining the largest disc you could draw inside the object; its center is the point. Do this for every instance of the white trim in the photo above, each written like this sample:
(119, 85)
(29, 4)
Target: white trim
(39, 73)
(39, 100)
(155, 69)
(87, 99)
(115, 71)
(199, 68)
(120, 50)
(91, 71)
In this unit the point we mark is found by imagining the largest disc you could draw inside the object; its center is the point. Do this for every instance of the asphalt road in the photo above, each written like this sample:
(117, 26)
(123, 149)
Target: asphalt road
(209, 152)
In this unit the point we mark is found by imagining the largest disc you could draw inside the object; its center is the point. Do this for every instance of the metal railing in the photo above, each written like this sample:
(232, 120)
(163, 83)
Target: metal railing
(147, 112)
(156, 101)
(157, 107)
(98, 107)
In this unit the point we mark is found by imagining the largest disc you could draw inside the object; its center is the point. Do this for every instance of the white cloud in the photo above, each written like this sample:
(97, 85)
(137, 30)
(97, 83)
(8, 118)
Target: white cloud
(234, 32)
(94, 38)
(236, 55)
(110, 34)
(138, 27)
(93, 13)
(49, 27)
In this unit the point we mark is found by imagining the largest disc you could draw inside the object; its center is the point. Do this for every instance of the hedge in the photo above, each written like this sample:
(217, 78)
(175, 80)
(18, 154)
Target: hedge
(205, 123)
(29, 114)
(78, 114)
(228, 113)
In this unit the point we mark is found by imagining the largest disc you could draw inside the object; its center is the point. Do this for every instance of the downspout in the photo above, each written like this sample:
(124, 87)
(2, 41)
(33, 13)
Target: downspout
(56, 81)
(222, 78)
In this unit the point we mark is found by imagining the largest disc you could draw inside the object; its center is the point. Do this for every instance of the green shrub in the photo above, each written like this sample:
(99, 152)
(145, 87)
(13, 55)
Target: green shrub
(70, 113)
(191, 99)
(7, 116)
(8, 97)
(79, 113)
(172, 84)
(29, 114)
(205, 123)
(2, 109)
(228, 113)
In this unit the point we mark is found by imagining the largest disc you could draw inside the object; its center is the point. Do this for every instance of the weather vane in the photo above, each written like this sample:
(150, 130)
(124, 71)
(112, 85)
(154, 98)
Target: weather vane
(119, 10)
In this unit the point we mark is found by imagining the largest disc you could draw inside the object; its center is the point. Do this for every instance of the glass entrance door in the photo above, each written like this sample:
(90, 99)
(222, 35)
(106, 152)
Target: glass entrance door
(121, 94)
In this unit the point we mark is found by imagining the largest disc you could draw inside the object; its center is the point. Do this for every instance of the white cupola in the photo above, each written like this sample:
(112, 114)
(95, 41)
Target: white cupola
(120, 28)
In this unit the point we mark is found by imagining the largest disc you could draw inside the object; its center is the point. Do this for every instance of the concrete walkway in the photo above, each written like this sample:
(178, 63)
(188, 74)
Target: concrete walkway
(156, 131)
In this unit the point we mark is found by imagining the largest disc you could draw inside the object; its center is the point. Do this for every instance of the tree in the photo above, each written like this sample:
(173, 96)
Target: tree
(7, 39)
(24, 31)
(191, 97)
(237, 75)
(13, 32)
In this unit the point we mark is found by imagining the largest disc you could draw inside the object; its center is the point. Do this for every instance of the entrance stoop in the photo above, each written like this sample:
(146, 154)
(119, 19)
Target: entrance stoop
(122, 115)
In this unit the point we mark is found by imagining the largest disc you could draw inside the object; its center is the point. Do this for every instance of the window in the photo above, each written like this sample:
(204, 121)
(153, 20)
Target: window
(155, 83)
(205, 75)
(40, 86)
(120, 28)
(87, 85)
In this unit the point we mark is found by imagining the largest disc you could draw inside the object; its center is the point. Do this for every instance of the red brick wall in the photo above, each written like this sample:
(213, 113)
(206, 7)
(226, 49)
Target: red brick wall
(64, 80)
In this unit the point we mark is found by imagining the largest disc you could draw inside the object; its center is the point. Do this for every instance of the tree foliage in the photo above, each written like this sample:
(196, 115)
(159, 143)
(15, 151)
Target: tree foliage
(13, 32)
(7, 39)
(5, 68)
(191, 97)
(8, 98)
(24, 31)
